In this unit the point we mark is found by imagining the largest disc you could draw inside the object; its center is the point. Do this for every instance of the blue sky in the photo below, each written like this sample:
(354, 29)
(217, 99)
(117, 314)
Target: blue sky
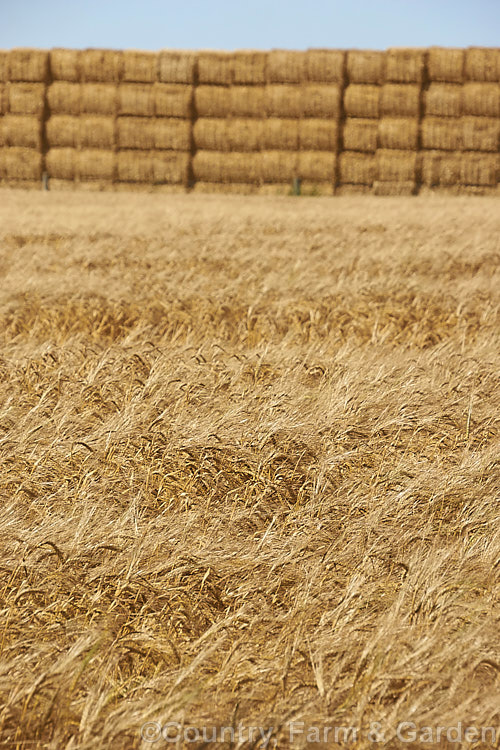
(259, 24)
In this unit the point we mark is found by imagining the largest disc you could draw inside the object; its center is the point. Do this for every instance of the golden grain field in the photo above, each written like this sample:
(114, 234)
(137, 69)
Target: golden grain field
(250, 471)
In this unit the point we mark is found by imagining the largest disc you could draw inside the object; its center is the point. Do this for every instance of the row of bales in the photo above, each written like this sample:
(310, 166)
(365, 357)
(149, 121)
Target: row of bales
(338, 121)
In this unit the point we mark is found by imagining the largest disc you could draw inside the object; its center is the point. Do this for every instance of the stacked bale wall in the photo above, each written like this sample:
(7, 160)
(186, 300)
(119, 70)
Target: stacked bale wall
(322, 121)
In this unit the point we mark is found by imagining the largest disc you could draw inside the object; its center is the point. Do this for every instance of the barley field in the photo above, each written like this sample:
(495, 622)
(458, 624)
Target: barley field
(250, 471)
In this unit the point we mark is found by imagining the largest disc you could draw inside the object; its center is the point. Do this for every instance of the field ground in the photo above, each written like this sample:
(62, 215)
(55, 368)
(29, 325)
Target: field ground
(250, 469)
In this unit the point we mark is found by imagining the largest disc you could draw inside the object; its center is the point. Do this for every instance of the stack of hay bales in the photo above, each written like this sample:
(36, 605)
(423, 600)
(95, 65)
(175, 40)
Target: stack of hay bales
(228, 128)
(23, 75)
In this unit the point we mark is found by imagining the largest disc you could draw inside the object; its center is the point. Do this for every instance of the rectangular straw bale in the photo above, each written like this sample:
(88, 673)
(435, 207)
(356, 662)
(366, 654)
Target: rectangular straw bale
(284, 100)
(64, 64)
(22, 130)
(4, 66)
(395, 188)
(26, 98)
(318, 134)
(481, 134)
(140, 67)
(396, 166)
(446, 65)
(3, 151)
(249, 67)
(280, 134)
(443, 100)
(317, 166)
(215, 68)
(245, 134)
(96, 164)
(482, 64)
(101, 65)
(479, 169)
(135, 132)
(23, 164)
(284, 66)
(61, 163)
(321, 100)
(4, 99)
(135, 166)
(362, 100)
(405, 65)
(481, 99)
(398, 132)
(279, 166)
(360, 134)
(176, 66)
(64, 98)
(400, 100)
(136, 99)
(96, 132)
(173, 100)
(325, 66)
(247, 101)
(30, 65)
(365, 66)
(62, 131)
(357, 168)
(98, 98)
(440, 168)
(210, 134)
(214, 166)
(442, 134)
(171, 167)
(172, 133)
(212, 101)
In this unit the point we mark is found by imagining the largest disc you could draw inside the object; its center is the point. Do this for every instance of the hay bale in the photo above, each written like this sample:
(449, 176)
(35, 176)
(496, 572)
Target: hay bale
(26, 98)
(215, 68)
(318, 135)
(280, 135)
(316, 166)
(30, 65)
(61, 163)
(479, 169)
(213, 166)
(171, 168)
(360, 134)
(284, 100)
(135, 132)
(176, 67)
(443, 100)
(173, 100)
(96, 132)
(442, 134)
(135, 166)
(325, 66)
(352, 190)
(440, 168)
(279, 166)
(249, 67)
(171, 133)
(400, 100)
(22, 164)
(96, 164)
(321, 100)
(4, 100)
(362, 100)
(398, 132)
(446, 65)
(218, 188)
(210, 134)
(64, 64)
(101, 65)
(22, 130)
(136, 99)
(212, 101)
(405, 65)
(356, 168)
(365, 66)
(284, 66)
(398, 188)
(98, 98)
(140, 67)
(64, 98)
(247, 101)
(4, 66)
(482, 64)
(481, 99)
(396, 166)
(481, 134)
(62, 131)
(245, 135)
